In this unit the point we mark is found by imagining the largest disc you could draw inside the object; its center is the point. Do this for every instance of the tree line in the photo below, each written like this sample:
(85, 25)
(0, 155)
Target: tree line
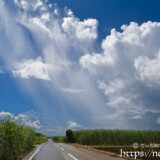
(111, 137)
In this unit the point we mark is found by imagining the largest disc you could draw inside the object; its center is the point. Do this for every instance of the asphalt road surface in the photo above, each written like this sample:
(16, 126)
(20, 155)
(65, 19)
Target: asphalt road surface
(60, 151)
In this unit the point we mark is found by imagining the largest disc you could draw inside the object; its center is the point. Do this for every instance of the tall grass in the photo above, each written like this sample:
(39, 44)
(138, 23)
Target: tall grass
(116, 137)
(39, 138)
(15, 139)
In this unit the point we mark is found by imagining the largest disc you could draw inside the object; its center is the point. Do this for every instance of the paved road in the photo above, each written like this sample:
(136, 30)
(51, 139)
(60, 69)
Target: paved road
(60, 151)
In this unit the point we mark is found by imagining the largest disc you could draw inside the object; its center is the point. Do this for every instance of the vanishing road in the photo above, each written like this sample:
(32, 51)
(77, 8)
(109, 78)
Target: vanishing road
(60, 151)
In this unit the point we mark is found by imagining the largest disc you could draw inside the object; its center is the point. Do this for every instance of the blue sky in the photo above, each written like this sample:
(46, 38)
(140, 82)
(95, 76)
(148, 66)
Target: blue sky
(80, 64)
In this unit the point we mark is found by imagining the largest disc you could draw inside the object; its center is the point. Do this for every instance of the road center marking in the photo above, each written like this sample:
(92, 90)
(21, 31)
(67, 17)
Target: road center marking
(62, 149)
(72, 156)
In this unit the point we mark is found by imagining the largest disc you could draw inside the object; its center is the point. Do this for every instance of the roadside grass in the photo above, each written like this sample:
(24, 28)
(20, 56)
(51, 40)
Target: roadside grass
(16, 139)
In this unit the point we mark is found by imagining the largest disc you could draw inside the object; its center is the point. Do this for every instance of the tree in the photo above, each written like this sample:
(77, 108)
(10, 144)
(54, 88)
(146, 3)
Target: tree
(69, 135)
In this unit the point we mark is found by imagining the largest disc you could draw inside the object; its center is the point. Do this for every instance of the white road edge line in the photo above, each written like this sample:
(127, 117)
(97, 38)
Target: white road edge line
(62, 149)
(72, 156)
(35, 152)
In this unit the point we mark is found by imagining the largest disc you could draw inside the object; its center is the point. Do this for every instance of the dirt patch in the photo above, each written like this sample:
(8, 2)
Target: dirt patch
(115, 151)
(91, 148)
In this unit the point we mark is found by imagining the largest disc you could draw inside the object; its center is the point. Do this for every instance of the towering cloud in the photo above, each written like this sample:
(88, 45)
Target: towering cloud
(127, 71)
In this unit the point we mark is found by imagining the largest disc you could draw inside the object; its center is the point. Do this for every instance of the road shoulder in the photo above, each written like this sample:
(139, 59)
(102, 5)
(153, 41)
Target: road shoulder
(31, 155)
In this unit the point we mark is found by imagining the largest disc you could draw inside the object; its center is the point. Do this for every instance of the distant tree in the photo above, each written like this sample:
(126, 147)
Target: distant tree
(69, 135)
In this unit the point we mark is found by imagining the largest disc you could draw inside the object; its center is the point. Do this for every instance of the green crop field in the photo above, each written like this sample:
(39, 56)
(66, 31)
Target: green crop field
(116, 137)
(16, 139)
(58, 139)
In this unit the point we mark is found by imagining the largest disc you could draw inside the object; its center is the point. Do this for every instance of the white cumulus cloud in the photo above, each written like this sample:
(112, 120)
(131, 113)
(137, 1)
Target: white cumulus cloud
(73, 125)
(149, 70)
(28, 4)
(26, 119)
(5, 115)
(32, 68)
(121, 48)
(83, 30)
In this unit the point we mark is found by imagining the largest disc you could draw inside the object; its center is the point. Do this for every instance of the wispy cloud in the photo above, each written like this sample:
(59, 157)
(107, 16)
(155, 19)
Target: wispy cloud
(1, 71)
(70, 90)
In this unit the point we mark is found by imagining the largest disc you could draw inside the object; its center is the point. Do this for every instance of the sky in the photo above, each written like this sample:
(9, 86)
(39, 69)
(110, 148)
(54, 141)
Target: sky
(80, 64)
